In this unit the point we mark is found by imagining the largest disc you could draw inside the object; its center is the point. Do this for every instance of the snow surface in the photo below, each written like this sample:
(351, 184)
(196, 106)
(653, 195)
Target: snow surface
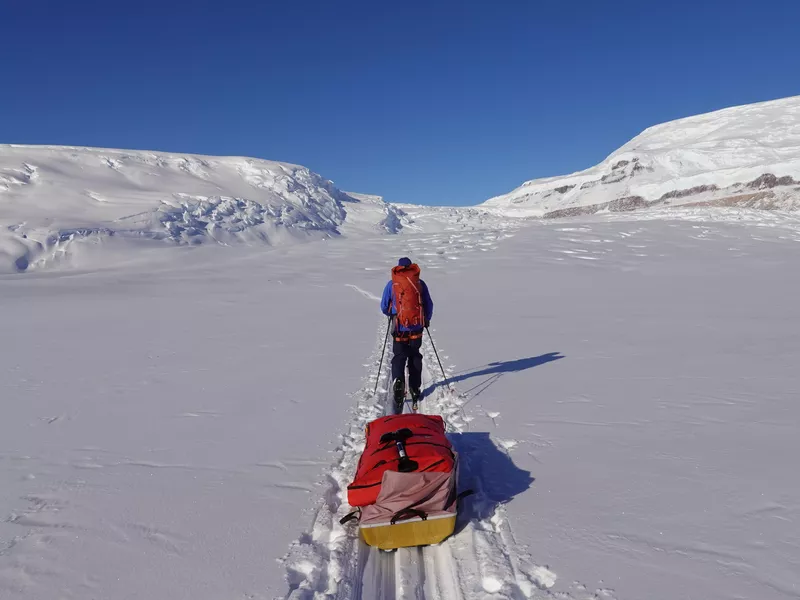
(745, 155)
(624, 394)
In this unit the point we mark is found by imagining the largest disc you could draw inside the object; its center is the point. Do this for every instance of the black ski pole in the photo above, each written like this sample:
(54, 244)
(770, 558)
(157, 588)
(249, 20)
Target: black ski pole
(437, 356)
(380, 365)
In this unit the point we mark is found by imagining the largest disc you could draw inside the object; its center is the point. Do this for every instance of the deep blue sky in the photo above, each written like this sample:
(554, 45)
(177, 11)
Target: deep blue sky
(420, 101)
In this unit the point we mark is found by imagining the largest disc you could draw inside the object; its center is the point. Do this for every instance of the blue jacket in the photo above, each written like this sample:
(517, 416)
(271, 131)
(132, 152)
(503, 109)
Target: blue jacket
(388, 306)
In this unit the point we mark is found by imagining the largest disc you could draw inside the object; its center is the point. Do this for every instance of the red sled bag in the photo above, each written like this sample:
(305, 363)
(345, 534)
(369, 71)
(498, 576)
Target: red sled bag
(426, 446)
(404, 492)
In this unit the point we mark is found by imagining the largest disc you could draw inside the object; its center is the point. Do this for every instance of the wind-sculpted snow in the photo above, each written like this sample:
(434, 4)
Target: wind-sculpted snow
(224, 218)
(86, 207)
(367, 213)
(746, 156)
(53, 197)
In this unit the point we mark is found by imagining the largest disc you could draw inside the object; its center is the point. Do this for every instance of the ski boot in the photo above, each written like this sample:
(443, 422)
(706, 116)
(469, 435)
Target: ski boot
(415, 397)
(399, 391)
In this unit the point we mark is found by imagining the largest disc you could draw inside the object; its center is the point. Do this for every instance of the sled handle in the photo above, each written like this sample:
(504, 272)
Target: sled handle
(408, 512)
(355, 515)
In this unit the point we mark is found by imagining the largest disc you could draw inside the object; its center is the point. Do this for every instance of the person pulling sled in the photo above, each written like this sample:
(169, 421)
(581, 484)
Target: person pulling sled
(407, 301)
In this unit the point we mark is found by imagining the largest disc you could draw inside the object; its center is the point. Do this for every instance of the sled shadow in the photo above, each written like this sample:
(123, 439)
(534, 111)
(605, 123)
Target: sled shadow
(496, 370)
(489, 471)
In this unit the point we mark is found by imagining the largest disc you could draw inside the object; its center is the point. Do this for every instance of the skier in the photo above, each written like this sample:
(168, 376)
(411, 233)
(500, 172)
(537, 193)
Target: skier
(407, 301)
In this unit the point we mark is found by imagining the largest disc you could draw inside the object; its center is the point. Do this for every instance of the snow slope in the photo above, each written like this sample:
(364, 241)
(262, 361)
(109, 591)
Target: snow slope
(73, 208)
(745, 156)
(370, 214)
(624, 394)
(59, 201)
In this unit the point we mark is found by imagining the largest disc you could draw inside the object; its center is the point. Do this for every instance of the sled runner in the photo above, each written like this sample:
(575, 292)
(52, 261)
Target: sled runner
(404, 490)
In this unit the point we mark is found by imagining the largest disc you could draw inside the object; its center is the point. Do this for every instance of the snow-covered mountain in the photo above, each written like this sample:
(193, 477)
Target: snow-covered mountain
(742, 156)
(53, 197)
(57, 202)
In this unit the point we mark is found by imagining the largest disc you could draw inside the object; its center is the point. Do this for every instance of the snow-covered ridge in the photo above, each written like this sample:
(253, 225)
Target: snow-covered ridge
(372, 211)
(52, 197)
(742, 156)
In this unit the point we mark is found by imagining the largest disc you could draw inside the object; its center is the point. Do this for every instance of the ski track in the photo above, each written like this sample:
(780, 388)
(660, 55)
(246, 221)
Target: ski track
(483, 561)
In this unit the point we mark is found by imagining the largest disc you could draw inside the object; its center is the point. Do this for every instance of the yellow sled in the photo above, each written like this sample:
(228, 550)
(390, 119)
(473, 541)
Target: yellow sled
(413, 506)
(413, 532)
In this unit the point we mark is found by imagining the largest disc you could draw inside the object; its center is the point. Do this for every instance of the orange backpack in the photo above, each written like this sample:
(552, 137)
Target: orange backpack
(407, 292)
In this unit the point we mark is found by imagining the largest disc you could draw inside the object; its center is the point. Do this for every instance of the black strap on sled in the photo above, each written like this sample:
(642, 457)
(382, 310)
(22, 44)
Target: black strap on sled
(399, 437)
(355, 515)
(460, 496)
(464, 494)
(408, 513)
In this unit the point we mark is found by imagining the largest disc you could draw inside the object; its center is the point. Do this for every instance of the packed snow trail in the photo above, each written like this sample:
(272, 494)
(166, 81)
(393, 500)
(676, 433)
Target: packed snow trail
(481, 560)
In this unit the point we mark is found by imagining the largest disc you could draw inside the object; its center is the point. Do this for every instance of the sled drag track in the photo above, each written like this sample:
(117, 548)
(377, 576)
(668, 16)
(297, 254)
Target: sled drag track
(481, 561)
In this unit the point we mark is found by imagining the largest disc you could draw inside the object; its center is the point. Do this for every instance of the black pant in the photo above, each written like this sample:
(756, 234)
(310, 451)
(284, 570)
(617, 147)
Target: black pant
(407, 352)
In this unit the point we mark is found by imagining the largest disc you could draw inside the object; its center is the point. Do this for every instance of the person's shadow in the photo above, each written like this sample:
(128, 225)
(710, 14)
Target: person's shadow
(496, 370)
(489, 472)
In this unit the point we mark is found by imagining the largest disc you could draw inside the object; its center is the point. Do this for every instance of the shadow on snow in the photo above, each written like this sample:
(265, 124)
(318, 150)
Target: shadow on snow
(496, 370)
(489, 472)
